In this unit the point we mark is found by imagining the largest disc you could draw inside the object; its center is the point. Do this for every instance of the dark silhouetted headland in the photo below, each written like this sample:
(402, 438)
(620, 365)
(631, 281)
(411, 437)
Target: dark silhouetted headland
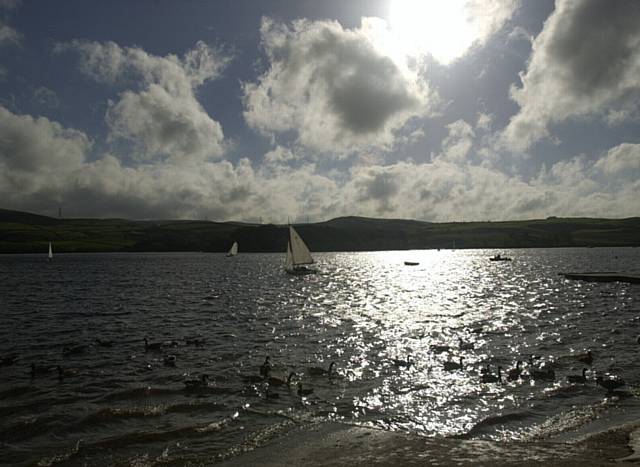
(22, 232)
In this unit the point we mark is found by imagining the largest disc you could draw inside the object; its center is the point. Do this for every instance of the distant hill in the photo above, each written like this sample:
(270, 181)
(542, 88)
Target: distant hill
(22, 232)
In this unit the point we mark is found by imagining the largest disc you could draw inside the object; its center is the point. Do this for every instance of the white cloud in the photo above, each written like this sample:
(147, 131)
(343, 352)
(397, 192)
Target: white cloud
(622, 158)
(45, 97)
(8, 35)
(458, 143)
(333, 87)
(585, 62)
(163, 119)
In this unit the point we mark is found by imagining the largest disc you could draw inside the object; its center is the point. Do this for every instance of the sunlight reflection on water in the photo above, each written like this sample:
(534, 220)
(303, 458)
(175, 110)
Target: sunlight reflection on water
(390, 328)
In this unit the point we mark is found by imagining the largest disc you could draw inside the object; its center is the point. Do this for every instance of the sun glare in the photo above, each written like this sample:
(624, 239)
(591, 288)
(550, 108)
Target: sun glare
(441, 28)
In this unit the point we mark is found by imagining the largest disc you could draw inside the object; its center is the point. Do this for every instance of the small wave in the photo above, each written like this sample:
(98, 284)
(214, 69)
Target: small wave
(139, 393)
(492, 421)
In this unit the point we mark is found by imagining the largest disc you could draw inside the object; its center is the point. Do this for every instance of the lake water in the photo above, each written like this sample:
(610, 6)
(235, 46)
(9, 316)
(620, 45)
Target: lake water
(368, 312)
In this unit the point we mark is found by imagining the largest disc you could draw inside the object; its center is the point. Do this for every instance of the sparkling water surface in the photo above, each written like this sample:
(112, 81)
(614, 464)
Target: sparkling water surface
(386, 325)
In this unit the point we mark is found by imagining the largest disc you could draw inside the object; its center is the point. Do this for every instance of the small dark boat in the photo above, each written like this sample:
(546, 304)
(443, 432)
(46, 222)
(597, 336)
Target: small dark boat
(410, 263)
(498, 257)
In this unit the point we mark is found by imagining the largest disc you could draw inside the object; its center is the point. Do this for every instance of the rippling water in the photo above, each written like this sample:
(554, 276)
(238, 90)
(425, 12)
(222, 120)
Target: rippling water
(366, 311)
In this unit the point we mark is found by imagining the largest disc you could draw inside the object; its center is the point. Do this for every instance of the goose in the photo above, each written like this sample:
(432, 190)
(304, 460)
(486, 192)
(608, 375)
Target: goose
(8, 360)
(39, 370)
(169, 360)
(303, 392)
(317, 371)
(542, 373)
(610, 384)
(403, 363)
(491, 378)
(439, 348)
(74, 349)
(514, 373)
(577, 378)
(450, 366)
(103, 343)
(202, 382)
(265, 369)
(273, 381)
(151, 345)
(66, 372)
(462, 345)
(585, 357)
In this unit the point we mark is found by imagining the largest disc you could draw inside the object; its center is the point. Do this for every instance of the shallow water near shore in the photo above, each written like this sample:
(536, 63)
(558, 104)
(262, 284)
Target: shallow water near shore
(368, 312)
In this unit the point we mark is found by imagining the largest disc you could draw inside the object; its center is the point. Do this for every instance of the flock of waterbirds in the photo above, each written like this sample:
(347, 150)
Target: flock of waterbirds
(535, 368)
(202, 383)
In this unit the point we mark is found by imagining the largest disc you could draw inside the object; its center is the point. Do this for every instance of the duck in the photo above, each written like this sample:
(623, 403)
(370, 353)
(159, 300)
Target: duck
(462, 345)
(201, 382)
(273, 381)
(515, 372)
(8, 360)
(151, 345)
(542, 373)
(39, 370)
(399, 363)
(304, 392)
(450, 366)
(169, 360)
(580, 379)
(317, 371)
(66, 372)
(585, 357)
(104, 343)
(610, 384)
(439, 348)
(491, 378)
(74, 349)
(265, 368)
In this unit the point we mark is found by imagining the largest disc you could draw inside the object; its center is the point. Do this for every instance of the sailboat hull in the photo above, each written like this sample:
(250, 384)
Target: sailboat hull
(300, 271)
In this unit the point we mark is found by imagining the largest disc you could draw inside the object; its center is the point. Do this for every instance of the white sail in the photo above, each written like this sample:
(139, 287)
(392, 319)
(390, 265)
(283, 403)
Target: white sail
(288, 265)
(50, 252)
(234, 249)
(300, 254)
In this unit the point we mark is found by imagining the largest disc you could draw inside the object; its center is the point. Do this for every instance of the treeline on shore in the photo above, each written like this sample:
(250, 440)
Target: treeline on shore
(22, 232)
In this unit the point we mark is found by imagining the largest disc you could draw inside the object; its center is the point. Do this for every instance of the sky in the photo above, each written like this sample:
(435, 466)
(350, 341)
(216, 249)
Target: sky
(276, 110)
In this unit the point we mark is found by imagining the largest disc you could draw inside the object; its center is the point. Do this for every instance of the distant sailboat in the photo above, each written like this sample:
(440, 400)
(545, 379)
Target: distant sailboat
(50, 252)
(234, 249)
(298, 255)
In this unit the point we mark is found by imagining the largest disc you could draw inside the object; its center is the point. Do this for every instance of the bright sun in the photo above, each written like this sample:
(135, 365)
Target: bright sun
(439, 27)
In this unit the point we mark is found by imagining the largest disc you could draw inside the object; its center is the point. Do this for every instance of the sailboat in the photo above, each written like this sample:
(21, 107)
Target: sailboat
(298, 255)
(234, 249)
(50, 252)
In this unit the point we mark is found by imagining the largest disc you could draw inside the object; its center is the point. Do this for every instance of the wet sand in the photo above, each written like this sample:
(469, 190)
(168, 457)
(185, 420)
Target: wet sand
(334, 444)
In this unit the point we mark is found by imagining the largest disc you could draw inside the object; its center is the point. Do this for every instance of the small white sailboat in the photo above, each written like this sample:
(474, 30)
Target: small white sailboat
(298, 255)
(234, 249)
(50, 252)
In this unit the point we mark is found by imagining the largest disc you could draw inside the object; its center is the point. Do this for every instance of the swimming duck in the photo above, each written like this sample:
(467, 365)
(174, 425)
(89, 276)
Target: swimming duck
(450, 366)
(66, 372)
(514, 373)
(202, 382)
(273, 381)
(491, 378)
(610, 384)
(39, 370)
(585, 357)
(265, 368)
(169, 360)
(542, 373)
(8, 360)
(317, 371)
(303, 392)
(402, 363)
(462, 345)
(578, 378)
(151, 345)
